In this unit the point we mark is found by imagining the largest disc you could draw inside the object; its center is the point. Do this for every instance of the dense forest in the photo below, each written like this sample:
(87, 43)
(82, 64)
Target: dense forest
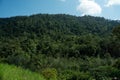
(62, 47)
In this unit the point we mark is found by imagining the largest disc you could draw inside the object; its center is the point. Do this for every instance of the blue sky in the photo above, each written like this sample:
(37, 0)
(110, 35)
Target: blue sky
(109, 9)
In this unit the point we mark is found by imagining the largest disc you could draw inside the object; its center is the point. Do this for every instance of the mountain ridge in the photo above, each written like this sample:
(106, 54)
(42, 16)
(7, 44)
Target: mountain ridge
(72, 46)
(89, 24)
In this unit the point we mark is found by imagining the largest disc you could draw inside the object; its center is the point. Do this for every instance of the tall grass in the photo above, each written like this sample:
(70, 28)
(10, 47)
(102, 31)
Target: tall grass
(8, 72)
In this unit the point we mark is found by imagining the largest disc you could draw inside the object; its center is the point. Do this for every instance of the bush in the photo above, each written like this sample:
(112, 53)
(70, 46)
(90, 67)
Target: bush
(75, 75)
(50, 73)
(117, 64)
(105, 71)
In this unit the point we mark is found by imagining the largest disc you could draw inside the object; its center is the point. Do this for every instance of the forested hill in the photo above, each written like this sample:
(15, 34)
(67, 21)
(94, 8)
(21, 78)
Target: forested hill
(59, 24)
(60, 47)
(57, 35)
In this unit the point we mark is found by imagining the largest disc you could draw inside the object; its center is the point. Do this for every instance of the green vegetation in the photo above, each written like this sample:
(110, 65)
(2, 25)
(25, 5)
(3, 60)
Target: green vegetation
(50, 74)
(8, 72)
(62, 47)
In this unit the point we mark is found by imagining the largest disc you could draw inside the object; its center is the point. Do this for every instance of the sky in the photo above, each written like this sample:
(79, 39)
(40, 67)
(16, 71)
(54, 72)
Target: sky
(109, 9)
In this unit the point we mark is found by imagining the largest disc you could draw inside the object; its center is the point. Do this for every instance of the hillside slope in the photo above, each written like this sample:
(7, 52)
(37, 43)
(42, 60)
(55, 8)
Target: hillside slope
(8, 72)
(55, 24)
(67, 47)
(33, 42)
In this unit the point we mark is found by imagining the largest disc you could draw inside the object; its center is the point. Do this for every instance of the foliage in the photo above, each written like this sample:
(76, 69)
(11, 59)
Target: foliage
(8, 72)
(65, 46)
(50, 74)
(117, 64)
(75, 75)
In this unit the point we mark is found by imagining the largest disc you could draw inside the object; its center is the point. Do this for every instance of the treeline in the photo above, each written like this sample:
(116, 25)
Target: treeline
(62, 35)
(27, 40)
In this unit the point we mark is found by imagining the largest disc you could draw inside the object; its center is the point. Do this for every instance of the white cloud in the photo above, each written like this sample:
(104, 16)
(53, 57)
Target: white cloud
(112, 2)
(89, 7)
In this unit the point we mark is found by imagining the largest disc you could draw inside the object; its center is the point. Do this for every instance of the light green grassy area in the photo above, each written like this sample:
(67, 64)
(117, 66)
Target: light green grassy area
(10, 72)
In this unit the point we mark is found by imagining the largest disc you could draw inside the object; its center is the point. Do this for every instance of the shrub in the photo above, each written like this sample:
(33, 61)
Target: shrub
(75, 75)
(105, 71)
(50, 73)
(117, 64)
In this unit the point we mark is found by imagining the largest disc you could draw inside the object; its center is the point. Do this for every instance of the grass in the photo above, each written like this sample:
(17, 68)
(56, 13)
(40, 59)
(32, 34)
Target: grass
(10, 72)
